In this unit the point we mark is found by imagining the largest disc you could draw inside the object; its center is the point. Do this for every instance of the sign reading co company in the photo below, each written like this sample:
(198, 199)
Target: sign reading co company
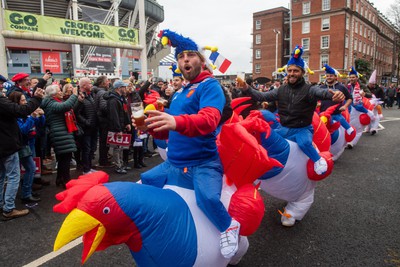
(27, 22)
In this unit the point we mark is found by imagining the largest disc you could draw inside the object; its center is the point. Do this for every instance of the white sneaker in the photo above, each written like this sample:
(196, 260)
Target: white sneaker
(350, 131)
(320, 166)
(287, 220)
(230, 239)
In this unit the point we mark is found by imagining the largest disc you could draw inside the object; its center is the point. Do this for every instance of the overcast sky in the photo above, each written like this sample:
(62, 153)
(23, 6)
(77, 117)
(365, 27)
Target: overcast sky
(225, 24)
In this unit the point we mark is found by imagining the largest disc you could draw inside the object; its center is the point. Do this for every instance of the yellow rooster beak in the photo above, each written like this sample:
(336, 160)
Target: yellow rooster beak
(178, 71)
(297, 51)
(164, 40)
(77, 224)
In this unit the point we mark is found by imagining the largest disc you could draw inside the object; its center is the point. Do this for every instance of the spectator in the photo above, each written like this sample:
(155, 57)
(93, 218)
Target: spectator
(87, 119)
(62, 138)
(391, 93)
(100, 87)
(118, 120)
(27, 127)
(11, 143)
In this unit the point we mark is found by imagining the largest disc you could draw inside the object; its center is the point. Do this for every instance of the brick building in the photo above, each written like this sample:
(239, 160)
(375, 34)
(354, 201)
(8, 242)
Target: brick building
(341, 31)
(269, 26)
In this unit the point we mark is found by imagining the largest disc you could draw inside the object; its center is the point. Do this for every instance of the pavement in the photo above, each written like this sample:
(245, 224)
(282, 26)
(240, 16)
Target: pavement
(354, 220)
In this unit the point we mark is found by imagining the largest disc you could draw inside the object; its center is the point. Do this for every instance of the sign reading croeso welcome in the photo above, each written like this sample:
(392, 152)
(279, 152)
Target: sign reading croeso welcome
(27, 22)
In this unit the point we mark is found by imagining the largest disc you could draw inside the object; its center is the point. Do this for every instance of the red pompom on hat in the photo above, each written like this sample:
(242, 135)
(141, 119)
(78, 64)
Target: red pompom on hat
(19, 76)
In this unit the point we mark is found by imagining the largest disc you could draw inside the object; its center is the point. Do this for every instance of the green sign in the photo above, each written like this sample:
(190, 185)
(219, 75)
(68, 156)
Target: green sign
(27, 22)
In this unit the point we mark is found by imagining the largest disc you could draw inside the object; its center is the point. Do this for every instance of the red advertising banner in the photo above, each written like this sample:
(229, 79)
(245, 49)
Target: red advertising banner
(51, 61)
(37, 164)
(123, 140)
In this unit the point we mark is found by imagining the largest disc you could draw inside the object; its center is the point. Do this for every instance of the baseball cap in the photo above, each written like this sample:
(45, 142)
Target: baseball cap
(119, 84)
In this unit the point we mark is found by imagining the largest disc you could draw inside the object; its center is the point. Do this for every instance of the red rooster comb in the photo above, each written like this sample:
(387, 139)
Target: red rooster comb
(76, 189)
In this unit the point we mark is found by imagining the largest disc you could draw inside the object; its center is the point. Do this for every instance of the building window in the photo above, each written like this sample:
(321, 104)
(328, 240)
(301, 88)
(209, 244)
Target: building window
(258, 38)
(347, 23)
(306, 8)
(258, 68)
(357, 6)
(258, 53)
(364, 48)
(305, 27)
(346, 42)
(258, 24)
(359, 46)
(324, 60)
(326, 5)
(365, 32)
(325, 24)
(361, 29)
(305, 43)
(348, 3)
(355, 44)
(345, 61)
(324, 42)
(362, 10)
(356, 27)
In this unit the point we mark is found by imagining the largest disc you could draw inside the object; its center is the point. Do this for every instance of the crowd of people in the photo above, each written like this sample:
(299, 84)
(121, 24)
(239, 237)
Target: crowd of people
(65, 124)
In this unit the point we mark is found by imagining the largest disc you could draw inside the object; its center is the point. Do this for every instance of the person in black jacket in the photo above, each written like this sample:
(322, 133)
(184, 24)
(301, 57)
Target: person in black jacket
(100, 88)
(10, 144)
(297, 101)
(87, 119)
(118, 119)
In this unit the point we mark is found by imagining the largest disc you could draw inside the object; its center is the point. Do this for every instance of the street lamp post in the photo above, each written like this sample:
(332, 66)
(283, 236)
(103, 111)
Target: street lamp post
(277, 32)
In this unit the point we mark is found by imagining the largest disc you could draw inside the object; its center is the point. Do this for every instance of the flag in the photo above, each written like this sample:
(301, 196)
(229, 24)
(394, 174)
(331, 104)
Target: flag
(218, 60)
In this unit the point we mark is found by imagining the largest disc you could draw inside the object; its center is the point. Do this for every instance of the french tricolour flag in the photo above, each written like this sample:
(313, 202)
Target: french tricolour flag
(218, 60)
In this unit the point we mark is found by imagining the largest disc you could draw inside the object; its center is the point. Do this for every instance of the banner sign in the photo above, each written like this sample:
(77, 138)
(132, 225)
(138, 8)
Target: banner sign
(28, 22)
(123, 141)
(51, 61)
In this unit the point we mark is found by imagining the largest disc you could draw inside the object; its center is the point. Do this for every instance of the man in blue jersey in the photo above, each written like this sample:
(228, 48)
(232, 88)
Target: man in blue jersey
(191, 128)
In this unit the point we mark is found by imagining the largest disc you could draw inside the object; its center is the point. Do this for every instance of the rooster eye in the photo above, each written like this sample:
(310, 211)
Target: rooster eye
(106, 210)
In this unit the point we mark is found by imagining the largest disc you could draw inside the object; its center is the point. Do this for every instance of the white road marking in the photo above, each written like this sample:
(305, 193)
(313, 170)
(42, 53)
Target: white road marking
(54, 254)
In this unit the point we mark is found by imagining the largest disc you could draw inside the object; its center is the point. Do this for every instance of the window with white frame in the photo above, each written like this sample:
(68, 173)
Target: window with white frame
(324, 60)
(360, 46)
(305, 43)
(305, 27)
(364, 48)
(325, 23)
(365, 32)
(325, 42)
(345, 61)
(258, 53)
(362, 10)
(326, 5)
(306, 8)
(346, 42)
(347, 23)
(357, 6)
(368, 49)
(257, 68)
(348, 3)
(355, 44)
(361, 29)
(258, 24)
(258, 38)
(356, 27)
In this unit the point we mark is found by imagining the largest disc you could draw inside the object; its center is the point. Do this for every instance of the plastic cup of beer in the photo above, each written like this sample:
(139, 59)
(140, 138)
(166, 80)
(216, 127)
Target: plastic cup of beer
(138, 113)
(161, 103)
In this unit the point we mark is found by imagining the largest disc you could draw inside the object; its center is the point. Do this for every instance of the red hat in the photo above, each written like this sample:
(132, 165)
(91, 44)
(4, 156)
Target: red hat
(19, 76)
